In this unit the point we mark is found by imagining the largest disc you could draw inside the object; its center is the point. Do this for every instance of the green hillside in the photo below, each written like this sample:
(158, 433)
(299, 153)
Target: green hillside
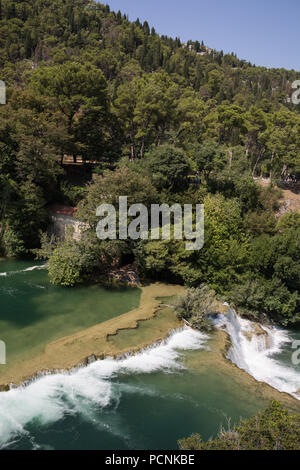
(142, 115)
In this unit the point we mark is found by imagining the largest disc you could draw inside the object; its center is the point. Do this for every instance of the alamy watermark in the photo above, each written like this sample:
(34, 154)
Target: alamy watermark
(296, 354)
(136, 223)
(2, 353)
(2, 92)
(296, 94)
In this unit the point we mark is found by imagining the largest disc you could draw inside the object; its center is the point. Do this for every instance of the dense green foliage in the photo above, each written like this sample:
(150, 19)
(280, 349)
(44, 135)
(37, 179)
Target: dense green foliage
(144, 113)
(273, 429)
(196, 307)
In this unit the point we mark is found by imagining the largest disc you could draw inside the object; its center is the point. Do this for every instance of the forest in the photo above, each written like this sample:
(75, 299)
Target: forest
(160, 121)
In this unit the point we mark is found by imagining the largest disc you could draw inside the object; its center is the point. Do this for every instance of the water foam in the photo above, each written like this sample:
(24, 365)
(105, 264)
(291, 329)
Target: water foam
(255, 353)
(51, 397)
(31, 268)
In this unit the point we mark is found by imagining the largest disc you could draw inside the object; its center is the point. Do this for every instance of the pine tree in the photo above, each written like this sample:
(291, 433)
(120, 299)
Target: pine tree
(146, 28)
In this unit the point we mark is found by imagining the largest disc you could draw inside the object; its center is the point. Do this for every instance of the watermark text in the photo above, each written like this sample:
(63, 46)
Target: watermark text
(164, 222)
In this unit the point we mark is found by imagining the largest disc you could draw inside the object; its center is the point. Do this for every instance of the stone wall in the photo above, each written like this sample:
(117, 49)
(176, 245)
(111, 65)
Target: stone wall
(60, 223)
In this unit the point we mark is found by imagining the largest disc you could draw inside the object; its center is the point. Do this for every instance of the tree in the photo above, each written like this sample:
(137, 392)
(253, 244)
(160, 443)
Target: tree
(169, 167)
(188, 123)
(106, 189)
(256, 137)
(283, 142)
(209, 157)
(228, 124)
(72, 262)
(80, 92)
(273, 429)
(146, 107)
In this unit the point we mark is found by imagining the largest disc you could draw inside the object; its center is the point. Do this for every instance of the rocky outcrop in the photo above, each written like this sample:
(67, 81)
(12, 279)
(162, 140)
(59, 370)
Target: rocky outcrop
(126, 275)
(258, 331)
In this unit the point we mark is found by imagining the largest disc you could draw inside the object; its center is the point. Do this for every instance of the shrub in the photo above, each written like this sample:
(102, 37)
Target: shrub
(272, 429)
(196, 306)
(13, 244)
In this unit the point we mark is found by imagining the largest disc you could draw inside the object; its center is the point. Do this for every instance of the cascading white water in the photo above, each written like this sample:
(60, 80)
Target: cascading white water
(254, 351)
(51, 397)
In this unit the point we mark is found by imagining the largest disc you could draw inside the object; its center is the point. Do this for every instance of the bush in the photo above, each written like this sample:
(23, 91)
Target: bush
(272, 429)
(258, 297)
(13, 244)
(196, 306)
(71, 262)
(290, 220)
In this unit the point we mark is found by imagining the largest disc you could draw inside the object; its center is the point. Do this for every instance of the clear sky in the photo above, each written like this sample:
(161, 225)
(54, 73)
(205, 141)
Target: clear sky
(264, 32)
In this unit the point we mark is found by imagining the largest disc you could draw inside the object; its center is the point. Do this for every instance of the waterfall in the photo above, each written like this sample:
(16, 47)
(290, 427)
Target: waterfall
(256, 349)
(52, 397)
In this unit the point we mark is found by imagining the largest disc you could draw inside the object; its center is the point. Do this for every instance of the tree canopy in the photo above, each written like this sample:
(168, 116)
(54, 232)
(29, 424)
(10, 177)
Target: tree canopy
(156, 120)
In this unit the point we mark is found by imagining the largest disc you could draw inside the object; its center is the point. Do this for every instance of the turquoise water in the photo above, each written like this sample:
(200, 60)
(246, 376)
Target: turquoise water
(147, 401)
(34, 313)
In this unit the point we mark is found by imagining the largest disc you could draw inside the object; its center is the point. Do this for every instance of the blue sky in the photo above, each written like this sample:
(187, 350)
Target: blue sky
(265, 32)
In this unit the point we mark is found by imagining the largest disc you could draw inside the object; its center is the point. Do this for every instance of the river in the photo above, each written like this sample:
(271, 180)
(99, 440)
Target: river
(145, 401)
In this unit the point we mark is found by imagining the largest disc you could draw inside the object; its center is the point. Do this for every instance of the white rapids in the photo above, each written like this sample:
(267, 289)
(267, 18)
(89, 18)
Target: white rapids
(254, 348)
(51, 397)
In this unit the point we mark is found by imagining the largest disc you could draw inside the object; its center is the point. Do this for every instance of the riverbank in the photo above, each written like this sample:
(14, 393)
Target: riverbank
(140, 327)
(79, 349)
(180, 383)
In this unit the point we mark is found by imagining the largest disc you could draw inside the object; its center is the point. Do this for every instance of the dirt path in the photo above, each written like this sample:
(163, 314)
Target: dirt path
(291, 195)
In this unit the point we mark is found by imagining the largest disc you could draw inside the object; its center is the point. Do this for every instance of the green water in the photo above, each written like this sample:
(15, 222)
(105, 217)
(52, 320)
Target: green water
(34, 313)
(147, 401)
(130, 339)
(144, 411)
